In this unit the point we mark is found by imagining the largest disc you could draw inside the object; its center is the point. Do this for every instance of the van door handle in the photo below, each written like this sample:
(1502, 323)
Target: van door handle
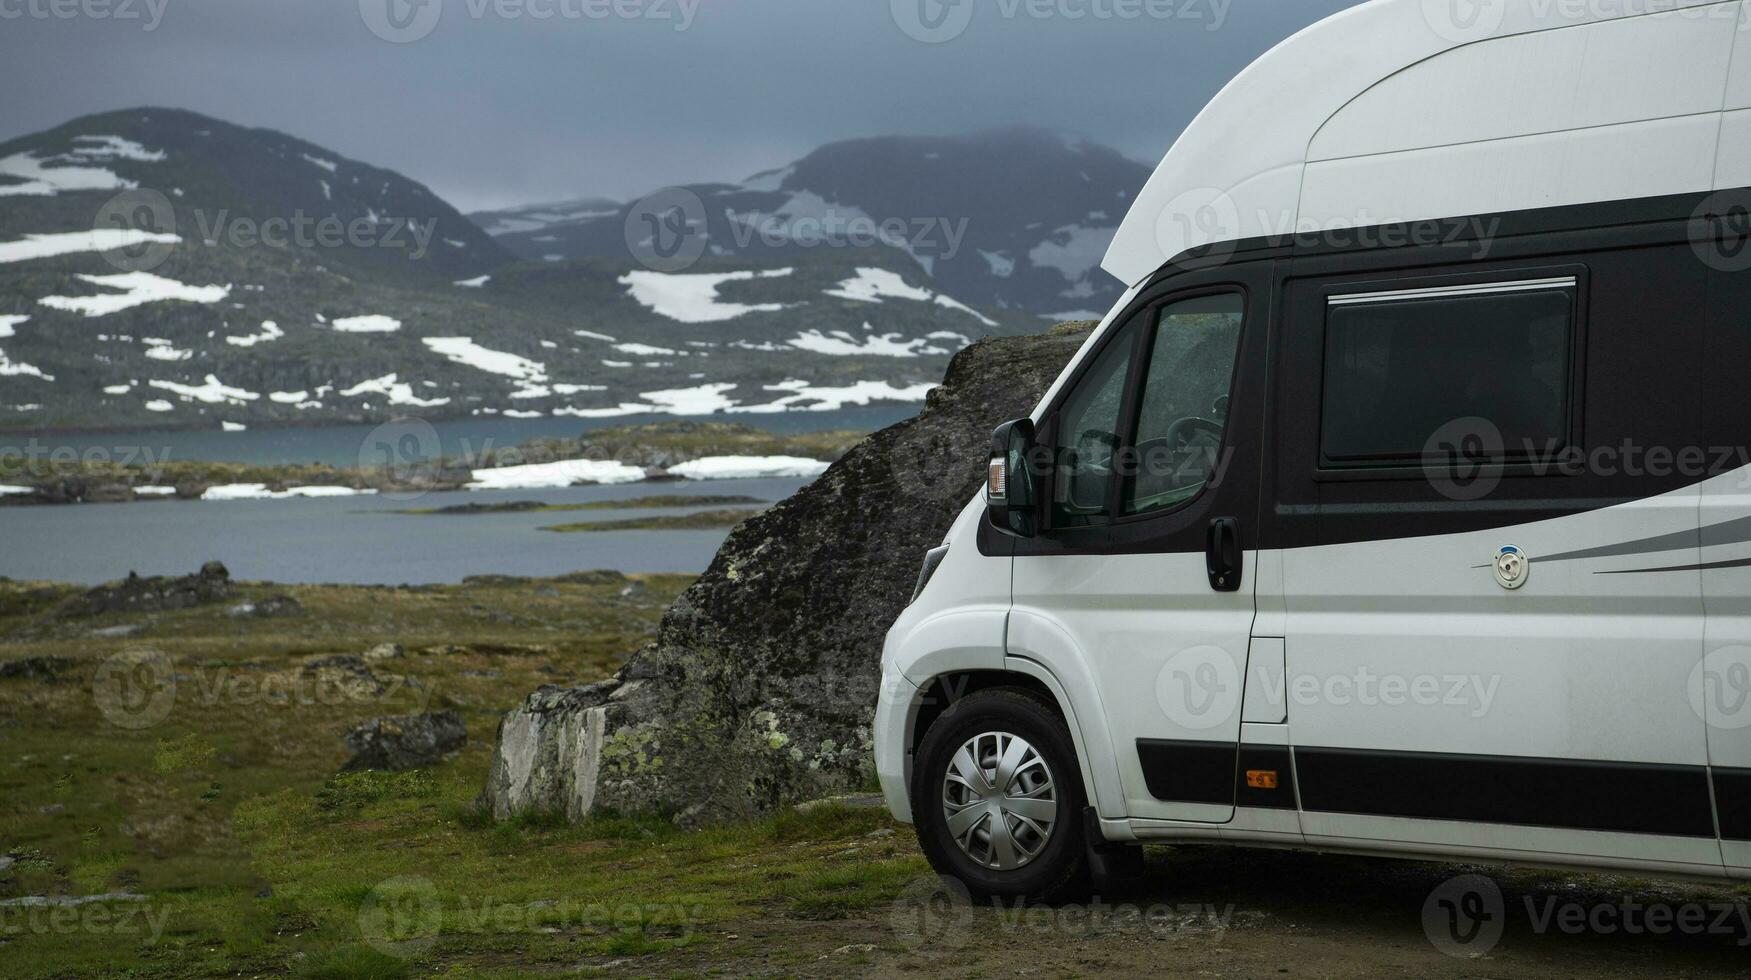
(1222, 557)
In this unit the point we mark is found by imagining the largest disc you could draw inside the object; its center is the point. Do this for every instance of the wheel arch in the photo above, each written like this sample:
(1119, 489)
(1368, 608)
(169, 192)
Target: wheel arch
(941, 691)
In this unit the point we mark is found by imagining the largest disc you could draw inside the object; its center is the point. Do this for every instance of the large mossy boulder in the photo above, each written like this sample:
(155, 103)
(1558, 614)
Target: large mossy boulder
(760, 688)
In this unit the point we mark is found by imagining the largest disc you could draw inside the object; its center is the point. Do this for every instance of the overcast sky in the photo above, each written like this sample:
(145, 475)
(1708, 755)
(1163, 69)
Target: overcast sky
(493, 105)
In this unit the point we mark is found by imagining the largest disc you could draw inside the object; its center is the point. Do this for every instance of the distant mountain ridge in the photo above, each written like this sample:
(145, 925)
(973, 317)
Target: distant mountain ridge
(163, 269)
(1017, 219)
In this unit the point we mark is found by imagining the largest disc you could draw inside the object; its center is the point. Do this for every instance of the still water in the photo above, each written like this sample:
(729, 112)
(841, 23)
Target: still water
(358, 540)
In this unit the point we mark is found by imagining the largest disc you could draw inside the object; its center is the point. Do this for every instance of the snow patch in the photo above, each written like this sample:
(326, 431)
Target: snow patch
(1080, 250)
(873, 285)
(136, 289)
(564, 473)
(843, 344)
(398, 392)
(1002, 266)
(260, 491)
(154, 491)
(115, 148)
(692, 298)
(464, 351)
(475, 283)
(40, 181)
(955, 304)
(592, 335)
(213, 392)
(12, 491)
(748, 468)
(370, 323)
(232, 426)
(13, 369)
(806, 397)
(269, 331)
(72, 242)
(8, 321)
(642, 350)
(159, 405)
(328, 165)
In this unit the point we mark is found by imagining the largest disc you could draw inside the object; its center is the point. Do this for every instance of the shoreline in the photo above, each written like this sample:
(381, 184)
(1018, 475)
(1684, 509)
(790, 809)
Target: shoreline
(658, 452)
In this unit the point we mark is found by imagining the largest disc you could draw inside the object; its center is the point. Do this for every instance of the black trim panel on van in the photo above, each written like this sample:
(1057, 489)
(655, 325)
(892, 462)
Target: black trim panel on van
(1625, 797)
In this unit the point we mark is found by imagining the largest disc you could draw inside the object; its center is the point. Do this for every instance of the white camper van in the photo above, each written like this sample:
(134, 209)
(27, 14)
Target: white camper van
(1402, 505)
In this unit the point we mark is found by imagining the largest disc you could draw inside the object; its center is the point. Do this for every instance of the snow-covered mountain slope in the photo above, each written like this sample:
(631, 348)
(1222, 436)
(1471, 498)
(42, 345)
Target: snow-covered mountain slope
(194, 317)
(1017, 219)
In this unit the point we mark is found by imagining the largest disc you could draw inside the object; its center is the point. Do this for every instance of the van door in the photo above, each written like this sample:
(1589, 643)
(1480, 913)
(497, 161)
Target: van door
(1492, 601)
(1720, 691)
(1139, 588)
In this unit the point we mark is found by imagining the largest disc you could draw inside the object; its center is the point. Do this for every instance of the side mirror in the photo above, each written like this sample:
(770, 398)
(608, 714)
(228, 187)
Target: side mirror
(1012, 482)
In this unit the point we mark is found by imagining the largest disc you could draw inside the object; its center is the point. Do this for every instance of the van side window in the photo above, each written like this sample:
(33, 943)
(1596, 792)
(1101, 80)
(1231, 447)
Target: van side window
(1088, 436)
(1409, 374)
(1184, 405)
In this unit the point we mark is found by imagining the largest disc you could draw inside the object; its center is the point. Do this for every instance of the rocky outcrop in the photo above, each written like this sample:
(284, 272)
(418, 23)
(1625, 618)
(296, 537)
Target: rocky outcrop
(135, 594)
(760, 688)
(406, 741)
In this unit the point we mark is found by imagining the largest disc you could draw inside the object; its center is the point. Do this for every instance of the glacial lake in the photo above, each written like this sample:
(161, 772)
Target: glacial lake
(360, 540)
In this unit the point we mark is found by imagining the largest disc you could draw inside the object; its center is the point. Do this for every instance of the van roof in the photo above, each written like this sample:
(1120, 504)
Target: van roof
(1406, 110)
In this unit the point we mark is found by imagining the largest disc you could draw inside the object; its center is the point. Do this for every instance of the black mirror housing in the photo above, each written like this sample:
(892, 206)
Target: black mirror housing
(1012, 481)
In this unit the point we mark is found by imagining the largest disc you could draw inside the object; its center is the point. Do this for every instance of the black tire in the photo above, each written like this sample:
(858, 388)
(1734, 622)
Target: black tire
(1059, 871)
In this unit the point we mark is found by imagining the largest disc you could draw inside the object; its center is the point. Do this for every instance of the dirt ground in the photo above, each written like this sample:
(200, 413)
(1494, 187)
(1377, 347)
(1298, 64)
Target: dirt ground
(1225, 912)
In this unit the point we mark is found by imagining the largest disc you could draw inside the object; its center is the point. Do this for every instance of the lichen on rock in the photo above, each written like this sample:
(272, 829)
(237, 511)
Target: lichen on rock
(760, 688)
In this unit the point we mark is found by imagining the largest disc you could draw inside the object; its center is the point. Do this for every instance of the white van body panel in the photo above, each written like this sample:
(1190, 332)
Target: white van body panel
(1340, 125)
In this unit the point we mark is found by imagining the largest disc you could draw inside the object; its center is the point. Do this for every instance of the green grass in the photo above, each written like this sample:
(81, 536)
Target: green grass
(254, 855)
(662, 522)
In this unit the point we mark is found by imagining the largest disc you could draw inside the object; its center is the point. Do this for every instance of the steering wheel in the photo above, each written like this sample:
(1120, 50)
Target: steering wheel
(1180, 435)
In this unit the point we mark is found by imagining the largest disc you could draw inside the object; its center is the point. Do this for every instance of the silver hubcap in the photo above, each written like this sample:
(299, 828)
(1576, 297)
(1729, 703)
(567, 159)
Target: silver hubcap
(999, 800)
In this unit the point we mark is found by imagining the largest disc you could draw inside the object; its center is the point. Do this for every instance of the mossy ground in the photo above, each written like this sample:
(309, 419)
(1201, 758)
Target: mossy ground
(254, 856)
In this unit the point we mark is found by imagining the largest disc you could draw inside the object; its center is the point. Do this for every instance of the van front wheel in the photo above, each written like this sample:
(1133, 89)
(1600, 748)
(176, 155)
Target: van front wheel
(1000, 798)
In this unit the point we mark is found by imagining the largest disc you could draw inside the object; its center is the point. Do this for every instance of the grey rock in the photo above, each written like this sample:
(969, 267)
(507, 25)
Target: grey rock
(155, 594)
(35, 668)
(117, 632)
(759, 691)
(406, 741)
(68, 901)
